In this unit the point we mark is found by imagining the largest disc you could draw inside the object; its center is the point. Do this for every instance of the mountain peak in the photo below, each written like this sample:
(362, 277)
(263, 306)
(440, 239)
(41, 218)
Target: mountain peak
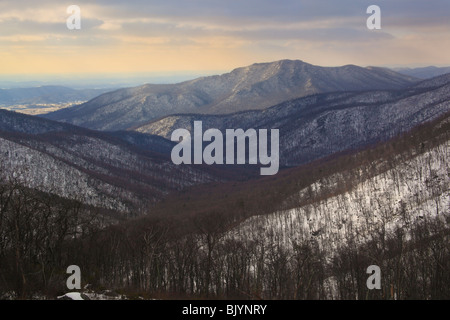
(254, 87)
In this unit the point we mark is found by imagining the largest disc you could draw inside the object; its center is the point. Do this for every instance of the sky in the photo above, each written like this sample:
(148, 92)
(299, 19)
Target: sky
(173, 37)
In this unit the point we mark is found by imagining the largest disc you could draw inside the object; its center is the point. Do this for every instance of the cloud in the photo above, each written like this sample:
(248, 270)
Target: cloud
(219, 34)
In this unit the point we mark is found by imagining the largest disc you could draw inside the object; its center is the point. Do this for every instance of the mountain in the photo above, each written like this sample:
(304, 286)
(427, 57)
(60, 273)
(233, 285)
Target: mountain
(423, 73)
(368, 186)
(98, 169)
(254, 87)
(310, 232)
(319, 125)
(434, 82)
(388, 210)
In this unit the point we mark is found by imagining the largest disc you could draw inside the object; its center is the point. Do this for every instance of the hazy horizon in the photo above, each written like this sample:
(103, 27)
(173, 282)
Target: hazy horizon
(116, 80)
(90, 80)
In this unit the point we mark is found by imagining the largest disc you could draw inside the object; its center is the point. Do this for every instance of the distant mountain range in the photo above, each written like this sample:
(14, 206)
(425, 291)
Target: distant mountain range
(363, 180)
(255, 87)
(125, 169)
(319, 125)
(423, 73)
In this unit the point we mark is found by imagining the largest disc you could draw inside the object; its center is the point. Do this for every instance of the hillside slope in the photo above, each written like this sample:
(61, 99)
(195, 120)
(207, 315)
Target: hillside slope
(95, 168)
(254, 87)
(319, 125)
(309, 232)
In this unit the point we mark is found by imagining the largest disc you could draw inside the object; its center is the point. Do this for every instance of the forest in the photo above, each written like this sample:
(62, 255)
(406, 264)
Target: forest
(248, 239)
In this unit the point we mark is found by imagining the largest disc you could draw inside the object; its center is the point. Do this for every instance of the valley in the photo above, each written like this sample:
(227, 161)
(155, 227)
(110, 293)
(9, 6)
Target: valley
(363, 179)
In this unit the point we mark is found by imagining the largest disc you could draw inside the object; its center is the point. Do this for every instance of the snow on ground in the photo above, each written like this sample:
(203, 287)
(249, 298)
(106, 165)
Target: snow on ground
(416, 189)
(72, 296)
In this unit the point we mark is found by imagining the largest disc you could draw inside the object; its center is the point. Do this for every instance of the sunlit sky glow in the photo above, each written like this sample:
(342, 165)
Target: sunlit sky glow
(212, 35)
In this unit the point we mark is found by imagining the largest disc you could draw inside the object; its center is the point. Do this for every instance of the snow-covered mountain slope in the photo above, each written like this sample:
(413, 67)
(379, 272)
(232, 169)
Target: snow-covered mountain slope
(20, 123)
(309, 232)
(95, 168)
(253, 87)
(424, 72)
(392, 211)
(320, 125)
(411, 191)
(434, 82)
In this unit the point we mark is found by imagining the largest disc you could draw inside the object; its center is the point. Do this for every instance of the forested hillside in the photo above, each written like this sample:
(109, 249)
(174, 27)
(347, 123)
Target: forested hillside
(309, 232)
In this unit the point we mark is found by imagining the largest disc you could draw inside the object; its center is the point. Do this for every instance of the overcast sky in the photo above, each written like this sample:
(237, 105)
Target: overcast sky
(217, 35)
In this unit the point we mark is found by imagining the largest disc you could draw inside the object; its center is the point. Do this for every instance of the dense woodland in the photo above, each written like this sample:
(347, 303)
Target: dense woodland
(184, 247)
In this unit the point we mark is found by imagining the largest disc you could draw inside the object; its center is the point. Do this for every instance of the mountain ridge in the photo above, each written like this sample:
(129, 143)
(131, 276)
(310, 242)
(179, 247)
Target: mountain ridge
(106, 170)
(318, 125)
(423, 72)
(253, 87)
